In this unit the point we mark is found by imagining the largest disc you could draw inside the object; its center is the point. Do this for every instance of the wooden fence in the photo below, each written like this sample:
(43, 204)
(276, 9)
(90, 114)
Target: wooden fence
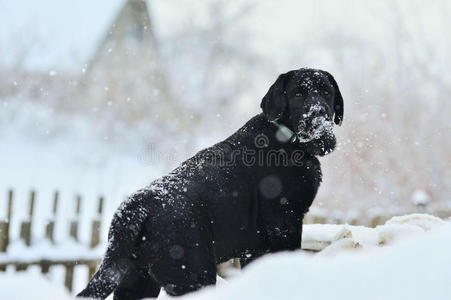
(68, 260)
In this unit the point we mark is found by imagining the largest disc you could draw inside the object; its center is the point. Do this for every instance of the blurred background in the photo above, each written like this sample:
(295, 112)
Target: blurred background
(101, 97)
(106, 95)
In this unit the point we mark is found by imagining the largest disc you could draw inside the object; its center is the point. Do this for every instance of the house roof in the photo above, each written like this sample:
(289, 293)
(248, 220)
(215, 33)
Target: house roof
(57, 35)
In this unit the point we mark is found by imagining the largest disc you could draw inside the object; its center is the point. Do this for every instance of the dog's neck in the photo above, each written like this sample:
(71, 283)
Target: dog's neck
(285, 132)
(259, 125)
(277, 134)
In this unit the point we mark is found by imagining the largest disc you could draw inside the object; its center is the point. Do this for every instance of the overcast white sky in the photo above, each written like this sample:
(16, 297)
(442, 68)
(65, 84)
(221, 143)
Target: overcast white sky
(64, 33)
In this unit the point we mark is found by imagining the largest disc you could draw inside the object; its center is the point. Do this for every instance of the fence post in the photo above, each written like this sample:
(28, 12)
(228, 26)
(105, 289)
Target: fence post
(376, 220)
(25, 228)
(95, 230)
(74, 223)
(50, 227)
(49, 231)
(4, 227)
(69, 276)
(92, 267)
(319, 220)
(95, 234)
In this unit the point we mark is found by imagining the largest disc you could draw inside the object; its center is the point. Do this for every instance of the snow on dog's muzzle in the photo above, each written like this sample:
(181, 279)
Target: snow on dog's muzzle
(314, 124)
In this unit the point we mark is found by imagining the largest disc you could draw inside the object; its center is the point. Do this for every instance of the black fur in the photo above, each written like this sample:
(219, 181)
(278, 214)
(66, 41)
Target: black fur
(243, 197)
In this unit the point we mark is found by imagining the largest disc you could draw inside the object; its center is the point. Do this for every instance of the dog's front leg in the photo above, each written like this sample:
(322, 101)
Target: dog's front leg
(244, 261)
(278, 239)
(283, 239)
(249, 257)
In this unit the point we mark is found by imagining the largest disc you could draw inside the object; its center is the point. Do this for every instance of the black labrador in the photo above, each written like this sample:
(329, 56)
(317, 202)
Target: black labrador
(243, 197)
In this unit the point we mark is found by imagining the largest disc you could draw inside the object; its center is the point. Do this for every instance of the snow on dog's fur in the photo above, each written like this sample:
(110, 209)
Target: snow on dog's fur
(217, 205)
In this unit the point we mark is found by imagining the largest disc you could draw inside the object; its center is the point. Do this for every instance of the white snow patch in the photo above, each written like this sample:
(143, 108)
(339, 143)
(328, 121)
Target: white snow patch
(408, 257)
(416, 268)
(426, 222)
(332, 238)
(21, 286)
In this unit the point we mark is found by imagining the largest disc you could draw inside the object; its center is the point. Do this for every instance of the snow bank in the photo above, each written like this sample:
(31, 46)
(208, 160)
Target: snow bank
(413, 268)
(426, 222)
(21, 286)
(407, 258)
(331, 238)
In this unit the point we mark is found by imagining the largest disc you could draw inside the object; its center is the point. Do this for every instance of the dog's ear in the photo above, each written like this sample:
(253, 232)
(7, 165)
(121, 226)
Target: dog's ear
(274, 102)
(338, 101)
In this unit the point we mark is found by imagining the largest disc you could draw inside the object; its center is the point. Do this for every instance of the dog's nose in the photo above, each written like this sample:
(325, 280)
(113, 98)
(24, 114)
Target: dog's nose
(320, 110)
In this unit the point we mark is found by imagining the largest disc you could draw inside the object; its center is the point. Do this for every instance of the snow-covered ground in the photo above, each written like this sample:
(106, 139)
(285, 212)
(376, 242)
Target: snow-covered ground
(414, 269)
(30, 286)
(407, 258)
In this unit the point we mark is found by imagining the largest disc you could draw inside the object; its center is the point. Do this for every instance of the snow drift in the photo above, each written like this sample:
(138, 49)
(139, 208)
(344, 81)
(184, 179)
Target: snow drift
(407, 258)
(415, 267)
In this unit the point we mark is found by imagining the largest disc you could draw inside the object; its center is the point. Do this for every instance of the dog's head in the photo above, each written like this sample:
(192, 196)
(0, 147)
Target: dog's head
(306, 101)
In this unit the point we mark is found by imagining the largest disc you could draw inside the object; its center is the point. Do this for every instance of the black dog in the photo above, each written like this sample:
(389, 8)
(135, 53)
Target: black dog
(243, 197)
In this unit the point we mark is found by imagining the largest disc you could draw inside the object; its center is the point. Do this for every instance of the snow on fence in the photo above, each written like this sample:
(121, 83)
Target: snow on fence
(29, 250)
(374, 216)
(50, 253)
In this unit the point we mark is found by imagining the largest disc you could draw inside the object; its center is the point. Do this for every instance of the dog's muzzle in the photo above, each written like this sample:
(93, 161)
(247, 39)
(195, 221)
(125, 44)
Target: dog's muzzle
(315, 124)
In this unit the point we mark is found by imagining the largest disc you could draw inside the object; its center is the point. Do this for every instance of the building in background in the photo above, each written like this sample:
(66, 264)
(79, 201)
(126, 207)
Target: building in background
(127, 69)
(188, 73)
